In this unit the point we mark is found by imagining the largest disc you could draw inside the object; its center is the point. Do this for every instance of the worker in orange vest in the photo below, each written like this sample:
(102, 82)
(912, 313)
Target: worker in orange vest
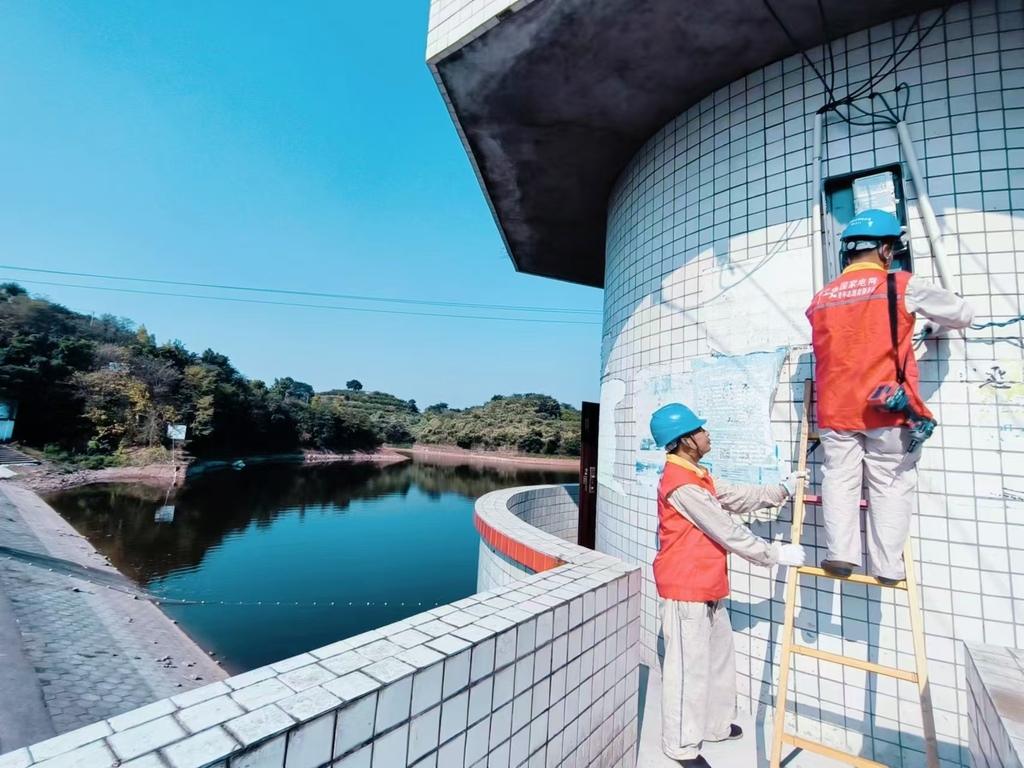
(696, 533)
(871, 417)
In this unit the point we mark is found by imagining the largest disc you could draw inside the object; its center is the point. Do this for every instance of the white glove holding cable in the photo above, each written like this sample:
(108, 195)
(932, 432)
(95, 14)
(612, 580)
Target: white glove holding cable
(791, 480)
(792, 554)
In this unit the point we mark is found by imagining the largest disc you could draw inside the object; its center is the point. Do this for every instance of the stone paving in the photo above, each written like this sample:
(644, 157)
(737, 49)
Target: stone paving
(96, 652)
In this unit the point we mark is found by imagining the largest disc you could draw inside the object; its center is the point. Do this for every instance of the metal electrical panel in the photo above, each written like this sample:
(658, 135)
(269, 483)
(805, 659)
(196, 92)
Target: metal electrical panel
(848, 195)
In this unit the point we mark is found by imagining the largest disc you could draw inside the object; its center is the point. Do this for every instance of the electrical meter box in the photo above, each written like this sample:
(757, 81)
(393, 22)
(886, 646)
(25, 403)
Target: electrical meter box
(846, 196)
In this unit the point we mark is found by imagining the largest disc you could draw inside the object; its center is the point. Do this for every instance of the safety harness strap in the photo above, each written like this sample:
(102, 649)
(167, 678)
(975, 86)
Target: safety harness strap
(890, 281)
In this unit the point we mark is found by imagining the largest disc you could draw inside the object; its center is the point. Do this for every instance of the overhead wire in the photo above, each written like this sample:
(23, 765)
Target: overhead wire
(309, 294)
(238, 300)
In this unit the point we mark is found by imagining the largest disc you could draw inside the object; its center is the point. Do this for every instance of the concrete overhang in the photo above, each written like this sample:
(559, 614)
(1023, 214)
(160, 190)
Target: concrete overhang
(552, 98)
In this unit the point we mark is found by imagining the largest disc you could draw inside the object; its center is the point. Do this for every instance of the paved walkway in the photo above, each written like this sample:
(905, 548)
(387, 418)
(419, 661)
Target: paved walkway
(74, 652)
(749, 752)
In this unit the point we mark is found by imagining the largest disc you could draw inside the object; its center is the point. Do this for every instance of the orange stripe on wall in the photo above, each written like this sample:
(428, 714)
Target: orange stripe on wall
(514, 550)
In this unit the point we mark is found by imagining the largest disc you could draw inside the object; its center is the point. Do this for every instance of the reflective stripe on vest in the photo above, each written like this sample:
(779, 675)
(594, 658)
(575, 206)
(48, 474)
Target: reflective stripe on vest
(689, 566)
(853, 349)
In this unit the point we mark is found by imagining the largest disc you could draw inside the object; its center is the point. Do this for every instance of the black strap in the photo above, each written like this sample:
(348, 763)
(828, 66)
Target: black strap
(890, 281)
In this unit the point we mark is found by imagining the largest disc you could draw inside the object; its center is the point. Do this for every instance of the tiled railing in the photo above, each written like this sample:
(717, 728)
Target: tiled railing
(541, 671)
(995, 705)
(525, 531)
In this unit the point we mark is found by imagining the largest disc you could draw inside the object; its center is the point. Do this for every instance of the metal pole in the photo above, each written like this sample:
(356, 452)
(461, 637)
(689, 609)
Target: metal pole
(818, 266)
(931, 225)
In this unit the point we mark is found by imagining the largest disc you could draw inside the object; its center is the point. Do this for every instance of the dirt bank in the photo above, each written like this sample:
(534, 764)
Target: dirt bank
(441, 453)
(49, 477)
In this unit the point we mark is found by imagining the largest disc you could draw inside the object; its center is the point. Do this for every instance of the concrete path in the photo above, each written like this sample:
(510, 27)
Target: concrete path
(75, 652)
(749, 752)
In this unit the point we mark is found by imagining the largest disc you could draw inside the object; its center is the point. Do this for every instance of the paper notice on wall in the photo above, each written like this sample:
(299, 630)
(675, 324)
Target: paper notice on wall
(757, 305)
(612, 393)
(734, 395)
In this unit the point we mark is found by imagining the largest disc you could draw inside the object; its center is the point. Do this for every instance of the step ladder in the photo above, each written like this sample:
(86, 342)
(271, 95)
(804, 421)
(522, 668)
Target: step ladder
(909, 585)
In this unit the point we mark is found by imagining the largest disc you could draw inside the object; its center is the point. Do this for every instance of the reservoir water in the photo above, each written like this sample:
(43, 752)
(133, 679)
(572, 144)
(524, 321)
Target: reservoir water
(369, 545)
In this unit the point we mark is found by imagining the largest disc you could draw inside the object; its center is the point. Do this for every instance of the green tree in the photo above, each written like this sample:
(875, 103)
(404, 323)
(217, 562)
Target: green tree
(354, 385)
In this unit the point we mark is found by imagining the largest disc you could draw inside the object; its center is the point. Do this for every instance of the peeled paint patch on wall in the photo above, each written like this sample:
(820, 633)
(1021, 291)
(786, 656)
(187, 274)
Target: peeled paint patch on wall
(757, 305)
(613, 392)
(734, 395)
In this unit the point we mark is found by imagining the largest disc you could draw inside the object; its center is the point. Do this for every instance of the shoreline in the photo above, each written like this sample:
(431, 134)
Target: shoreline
(78, 633)
(434, 452)
(47, 478)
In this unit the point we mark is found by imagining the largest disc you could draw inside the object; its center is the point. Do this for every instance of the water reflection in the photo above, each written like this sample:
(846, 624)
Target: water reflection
(385, 539)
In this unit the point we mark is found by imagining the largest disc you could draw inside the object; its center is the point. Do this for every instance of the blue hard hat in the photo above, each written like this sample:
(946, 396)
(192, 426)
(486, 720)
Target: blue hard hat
(872, 225)
(672, 421)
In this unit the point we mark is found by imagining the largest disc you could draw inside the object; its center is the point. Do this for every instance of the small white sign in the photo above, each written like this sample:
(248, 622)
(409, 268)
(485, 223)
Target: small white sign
(176, 431)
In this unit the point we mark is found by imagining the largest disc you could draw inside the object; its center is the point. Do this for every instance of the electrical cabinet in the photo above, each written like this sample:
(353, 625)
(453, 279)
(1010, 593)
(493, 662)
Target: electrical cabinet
(851, 194)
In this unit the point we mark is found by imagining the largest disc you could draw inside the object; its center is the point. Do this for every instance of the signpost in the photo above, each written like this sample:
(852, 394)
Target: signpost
(176, 433)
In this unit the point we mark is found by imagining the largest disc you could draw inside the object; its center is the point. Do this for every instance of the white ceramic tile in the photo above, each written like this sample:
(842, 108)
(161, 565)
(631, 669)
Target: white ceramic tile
(146, 738)
(454, 714)
(309, 745)
(390, 749)
(424, 733)
(209, 713)
(355, 724)
(200, 750)
(393, 704)
(267, 755)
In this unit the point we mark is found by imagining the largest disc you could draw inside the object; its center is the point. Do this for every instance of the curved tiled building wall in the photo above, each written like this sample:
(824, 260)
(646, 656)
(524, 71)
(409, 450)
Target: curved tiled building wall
(728, 180)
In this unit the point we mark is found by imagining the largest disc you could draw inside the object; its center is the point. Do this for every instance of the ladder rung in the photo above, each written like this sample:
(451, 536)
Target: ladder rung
(816, 500)
(856, 578)
(843, 757)
(867, 666)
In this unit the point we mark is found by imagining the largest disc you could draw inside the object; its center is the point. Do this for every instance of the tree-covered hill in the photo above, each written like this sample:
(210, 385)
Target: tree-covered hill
(97, 387)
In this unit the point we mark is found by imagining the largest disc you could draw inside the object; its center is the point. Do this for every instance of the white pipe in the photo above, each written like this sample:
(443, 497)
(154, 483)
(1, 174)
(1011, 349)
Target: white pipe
(931, 225)
(818, 265)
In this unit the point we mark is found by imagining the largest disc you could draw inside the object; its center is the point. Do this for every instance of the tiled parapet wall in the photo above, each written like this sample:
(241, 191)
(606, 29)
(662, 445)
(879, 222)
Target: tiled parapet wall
(525, 531)
(543, 671)
(995, 705)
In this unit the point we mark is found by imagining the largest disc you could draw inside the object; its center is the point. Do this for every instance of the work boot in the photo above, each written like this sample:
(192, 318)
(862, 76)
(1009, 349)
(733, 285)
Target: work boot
(837, 568)
(735, 732)
(696, 762)
(887, 581)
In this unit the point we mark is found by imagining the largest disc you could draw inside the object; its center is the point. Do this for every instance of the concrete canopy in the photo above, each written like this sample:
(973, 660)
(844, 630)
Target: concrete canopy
(554, 99)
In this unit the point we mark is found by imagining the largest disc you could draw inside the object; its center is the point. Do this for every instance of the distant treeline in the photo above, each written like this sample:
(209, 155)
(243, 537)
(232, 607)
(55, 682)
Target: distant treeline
(94, 388)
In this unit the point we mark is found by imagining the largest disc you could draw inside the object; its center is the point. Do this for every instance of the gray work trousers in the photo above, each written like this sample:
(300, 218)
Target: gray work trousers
(879, 459)
(698, 677)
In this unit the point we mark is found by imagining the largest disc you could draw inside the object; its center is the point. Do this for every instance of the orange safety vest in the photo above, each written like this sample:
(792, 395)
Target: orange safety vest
(853, 349)
(690, 566)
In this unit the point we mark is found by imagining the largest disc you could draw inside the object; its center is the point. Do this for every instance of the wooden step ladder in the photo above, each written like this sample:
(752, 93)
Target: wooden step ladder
(909, 585)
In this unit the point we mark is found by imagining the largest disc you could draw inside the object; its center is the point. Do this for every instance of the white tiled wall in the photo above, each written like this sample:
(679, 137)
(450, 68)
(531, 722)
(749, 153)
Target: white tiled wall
(995, 699)
(543, 671)
(458, 21)
(729, 179)
(552, 509)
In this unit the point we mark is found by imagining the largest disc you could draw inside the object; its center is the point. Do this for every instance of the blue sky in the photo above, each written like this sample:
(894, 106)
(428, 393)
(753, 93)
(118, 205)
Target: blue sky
(302, 147)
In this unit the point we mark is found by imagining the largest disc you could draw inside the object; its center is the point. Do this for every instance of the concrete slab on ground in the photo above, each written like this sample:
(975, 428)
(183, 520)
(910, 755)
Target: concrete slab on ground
(749, 752)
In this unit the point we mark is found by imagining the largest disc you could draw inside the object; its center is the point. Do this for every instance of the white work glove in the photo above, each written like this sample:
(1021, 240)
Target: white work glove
(792, 554)
(930, 330)
(791, 480)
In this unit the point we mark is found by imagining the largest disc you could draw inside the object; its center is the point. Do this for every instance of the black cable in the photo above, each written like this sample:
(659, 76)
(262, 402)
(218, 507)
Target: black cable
(311, 294)
(309, 306)
(795, 44)
(921, 39)
(828, 43)
(875, 79)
